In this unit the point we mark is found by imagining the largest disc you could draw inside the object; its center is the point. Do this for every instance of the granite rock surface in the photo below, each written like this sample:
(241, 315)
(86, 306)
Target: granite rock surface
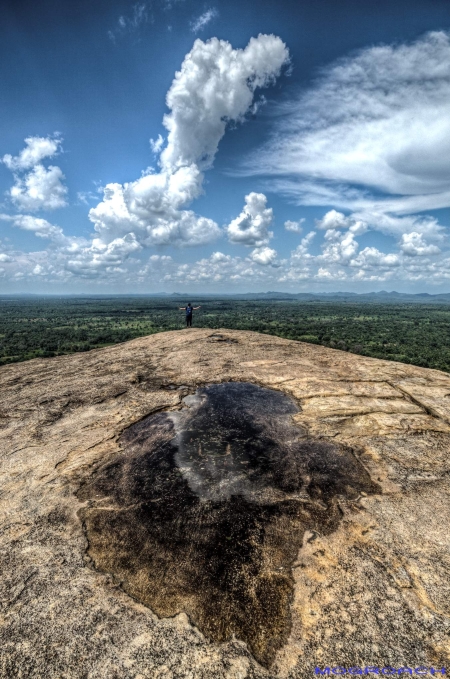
(363, 565)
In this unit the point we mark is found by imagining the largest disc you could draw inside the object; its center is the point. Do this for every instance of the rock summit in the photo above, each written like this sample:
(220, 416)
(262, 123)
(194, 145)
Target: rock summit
(222, 504)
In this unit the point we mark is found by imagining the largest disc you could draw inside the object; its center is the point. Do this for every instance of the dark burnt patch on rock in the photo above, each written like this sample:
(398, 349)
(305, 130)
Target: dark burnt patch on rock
(205, 509)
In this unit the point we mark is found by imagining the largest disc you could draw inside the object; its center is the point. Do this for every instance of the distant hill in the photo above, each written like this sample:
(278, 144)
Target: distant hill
(382, 296)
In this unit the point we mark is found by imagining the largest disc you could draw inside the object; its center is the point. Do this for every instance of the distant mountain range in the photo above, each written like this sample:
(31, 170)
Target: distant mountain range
(382, 296)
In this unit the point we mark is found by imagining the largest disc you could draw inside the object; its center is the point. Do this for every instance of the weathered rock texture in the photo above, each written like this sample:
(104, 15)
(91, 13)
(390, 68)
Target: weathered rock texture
(371, 588)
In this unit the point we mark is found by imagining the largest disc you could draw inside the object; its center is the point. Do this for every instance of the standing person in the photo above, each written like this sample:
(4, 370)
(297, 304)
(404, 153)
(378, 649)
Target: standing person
(189, 309)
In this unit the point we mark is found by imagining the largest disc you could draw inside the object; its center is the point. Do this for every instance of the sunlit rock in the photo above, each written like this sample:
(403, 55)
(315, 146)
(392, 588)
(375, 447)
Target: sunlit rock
(222, 504)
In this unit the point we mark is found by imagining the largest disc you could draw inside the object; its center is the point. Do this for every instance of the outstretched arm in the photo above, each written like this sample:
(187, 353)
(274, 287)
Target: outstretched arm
(182, 308)
(197, 307)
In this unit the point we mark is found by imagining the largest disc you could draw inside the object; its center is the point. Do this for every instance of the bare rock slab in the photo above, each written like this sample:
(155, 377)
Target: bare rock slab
(222, 504)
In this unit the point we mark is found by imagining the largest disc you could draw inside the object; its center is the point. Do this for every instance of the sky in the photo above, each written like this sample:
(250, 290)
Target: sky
(224, 147)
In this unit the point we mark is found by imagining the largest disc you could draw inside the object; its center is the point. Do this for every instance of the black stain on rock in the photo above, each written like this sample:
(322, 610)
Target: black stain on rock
(205, 509)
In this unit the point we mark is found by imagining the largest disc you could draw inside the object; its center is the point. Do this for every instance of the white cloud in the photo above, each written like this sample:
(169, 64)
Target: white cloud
(264, 256)
(215, 86)
(340, 261)
(341, 247)
(36, 149)
(216, 268)
(251, 227)
(396, 226)
(157, 265)
(40, 227)
(129, 23)
(295, 227)
(370, 154)
(333, 276)
(338, 247)
(157, 144)
(99, 257)
(73, 255)
(149, 208)
(220, 269)
(372, 258)
(413, 244)
(360, 222)
(302, 250)
(160, 259)
(337, 220)
(300, 265)
(204, 19)
(87, 197)
(387, 128)
(35, 186)
(372, 135)
(378, 154)
(138, 17)
(40, 189)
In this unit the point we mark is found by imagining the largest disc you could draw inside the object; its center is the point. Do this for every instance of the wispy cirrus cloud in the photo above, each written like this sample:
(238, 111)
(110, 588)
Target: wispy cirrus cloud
(204, 19)
(129, 23)
(371, 135)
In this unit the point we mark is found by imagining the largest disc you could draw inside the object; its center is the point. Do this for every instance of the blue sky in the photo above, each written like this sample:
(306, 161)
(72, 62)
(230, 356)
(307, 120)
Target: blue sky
(302, 146)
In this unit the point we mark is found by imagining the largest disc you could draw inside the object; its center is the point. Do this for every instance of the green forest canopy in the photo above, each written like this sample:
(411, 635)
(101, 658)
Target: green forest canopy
(46, 326)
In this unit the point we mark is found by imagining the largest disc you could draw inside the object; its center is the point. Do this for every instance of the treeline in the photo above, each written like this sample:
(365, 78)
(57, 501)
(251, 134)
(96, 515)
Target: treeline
(45, 327)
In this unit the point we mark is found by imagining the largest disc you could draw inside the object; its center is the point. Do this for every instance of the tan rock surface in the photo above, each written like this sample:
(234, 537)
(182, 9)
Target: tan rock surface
(373, 592)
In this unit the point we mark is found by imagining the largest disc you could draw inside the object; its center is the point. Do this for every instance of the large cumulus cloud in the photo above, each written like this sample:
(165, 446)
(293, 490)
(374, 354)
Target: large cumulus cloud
(378, 153)
(215, 86)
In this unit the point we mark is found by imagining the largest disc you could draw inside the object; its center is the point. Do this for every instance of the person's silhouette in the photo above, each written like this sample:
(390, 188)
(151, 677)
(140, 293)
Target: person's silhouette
(189, 309)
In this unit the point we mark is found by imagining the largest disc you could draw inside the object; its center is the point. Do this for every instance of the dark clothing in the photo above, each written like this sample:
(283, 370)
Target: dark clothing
(189, 321)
